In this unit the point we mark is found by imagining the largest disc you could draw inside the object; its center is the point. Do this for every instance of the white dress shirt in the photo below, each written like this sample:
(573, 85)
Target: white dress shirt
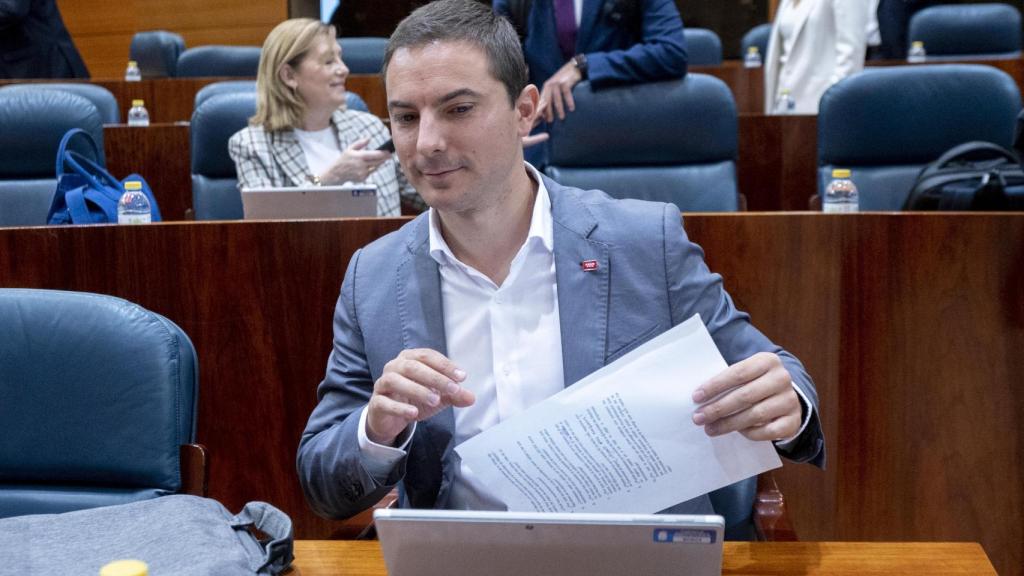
(507, 338)
(320, 148)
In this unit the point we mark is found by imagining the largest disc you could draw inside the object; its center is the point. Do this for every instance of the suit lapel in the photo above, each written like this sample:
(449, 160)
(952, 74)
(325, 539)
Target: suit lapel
(287, 151)
(582, 295)
(422, 318)
(802, 12)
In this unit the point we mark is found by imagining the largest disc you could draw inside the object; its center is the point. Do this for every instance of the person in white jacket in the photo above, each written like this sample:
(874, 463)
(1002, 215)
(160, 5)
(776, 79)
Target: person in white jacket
(813, 45)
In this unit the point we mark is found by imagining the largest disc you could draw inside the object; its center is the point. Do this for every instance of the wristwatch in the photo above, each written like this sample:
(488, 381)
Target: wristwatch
(581, 64)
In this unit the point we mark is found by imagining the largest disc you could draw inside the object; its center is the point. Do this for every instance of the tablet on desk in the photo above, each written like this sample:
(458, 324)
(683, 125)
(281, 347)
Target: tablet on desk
(447, 542)
(275, 203)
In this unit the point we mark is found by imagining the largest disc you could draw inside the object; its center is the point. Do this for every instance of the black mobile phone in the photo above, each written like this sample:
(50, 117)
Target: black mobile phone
(388, 146)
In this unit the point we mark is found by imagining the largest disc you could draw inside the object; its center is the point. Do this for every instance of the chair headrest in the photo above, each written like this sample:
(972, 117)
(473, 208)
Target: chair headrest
(967, 29)
(32, 123)
(703, 47)
(756, 36)
(103, 99)
(95, 388)
(223, 87)
(219, 61)
(156, 52)
(363, 55)
(688, 121)
(213, 124)
(912, 114)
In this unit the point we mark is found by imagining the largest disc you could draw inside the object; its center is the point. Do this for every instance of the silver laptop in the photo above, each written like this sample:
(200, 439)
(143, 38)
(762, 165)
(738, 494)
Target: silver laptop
(446, 543)
(277, 203)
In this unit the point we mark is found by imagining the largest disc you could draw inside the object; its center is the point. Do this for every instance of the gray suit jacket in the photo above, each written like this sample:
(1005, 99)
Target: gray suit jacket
(650, 278)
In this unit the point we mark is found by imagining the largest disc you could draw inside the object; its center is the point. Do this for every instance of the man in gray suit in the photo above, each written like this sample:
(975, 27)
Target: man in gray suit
(510, 288)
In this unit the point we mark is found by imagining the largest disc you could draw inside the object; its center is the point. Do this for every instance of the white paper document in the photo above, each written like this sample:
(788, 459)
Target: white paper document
(621, 439)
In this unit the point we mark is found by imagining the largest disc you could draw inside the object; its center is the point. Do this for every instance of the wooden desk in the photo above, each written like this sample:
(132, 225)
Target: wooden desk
(912, 326)
(333, 557)
(160, 153)
(777, 161)
(776, 166)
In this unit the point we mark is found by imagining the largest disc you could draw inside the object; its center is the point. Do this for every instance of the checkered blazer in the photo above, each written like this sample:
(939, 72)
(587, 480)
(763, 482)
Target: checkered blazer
(276, 159)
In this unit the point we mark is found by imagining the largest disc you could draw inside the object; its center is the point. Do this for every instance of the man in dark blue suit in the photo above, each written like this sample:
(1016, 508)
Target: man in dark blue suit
(34, 42)
(604, 41)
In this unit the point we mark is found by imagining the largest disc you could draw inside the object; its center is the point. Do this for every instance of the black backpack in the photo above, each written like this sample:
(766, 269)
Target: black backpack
(971, 176)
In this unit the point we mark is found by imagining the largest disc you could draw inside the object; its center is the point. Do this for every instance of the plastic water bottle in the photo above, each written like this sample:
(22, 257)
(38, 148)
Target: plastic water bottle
(752, 59)
(785, 104)
(840, 194)
(125, 568)
(132, 72)
(917, 54)
(134, 208)
(137, 114)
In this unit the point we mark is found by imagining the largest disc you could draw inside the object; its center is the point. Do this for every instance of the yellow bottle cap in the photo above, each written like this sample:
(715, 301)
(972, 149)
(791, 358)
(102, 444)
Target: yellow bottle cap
(753, 49)
(133, 63)
(841, 173)
(125, 568)
(917, 44)
(138, 103)
(133, 185)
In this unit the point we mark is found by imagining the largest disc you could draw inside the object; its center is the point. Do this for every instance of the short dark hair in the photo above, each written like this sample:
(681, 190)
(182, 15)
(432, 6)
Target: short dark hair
(465, 21)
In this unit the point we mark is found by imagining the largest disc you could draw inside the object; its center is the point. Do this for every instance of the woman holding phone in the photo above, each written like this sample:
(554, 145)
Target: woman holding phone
(302, 133)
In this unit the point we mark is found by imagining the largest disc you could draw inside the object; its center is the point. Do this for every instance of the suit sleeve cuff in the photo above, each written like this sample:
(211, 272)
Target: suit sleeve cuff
(787, 444)
(377, 459)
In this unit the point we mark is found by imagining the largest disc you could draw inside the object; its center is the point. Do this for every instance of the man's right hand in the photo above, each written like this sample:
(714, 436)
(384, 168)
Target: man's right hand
(414, 386)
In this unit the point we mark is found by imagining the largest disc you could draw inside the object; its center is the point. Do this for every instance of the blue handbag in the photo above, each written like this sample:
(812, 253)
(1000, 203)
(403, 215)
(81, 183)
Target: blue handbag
(86, 192)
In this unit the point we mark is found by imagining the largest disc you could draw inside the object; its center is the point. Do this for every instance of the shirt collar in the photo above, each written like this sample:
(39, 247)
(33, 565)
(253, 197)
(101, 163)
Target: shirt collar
(541, 224)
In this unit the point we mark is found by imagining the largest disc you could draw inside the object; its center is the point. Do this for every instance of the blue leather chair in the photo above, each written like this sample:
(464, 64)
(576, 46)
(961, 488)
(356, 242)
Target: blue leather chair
(886, 123)
(363, 55)
(968, 31)
(756, 36)
(32, 123)
(101, 98)
(703, 47)
(156, 52)
(205, 61)
(215, 194)
(99, 395)
(672, 141)
(352, 100)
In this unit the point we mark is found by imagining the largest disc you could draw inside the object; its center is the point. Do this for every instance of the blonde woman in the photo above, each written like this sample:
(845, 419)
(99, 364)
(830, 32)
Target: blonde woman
(813, 45)
(302, 133)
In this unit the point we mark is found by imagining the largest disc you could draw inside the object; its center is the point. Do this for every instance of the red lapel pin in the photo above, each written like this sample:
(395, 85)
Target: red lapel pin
(589, 265)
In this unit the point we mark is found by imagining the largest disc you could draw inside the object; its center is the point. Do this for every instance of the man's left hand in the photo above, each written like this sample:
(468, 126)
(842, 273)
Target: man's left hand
(556, 96)
(758, 401)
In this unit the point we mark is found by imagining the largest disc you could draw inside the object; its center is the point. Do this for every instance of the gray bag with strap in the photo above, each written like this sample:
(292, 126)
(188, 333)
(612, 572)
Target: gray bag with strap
(175, 535)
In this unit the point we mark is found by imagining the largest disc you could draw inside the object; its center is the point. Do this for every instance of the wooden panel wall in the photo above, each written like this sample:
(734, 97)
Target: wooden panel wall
(103, 29)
